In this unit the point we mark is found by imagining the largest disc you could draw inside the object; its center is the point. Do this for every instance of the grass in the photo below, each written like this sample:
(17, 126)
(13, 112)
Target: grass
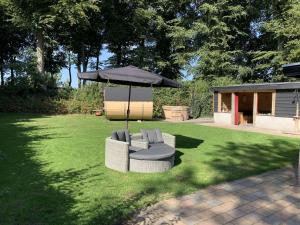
(52, 167)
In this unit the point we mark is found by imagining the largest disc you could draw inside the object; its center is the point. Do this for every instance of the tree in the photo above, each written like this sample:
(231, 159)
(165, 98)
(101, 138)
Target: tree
(281, 39)
(12, 41)
(208, 41)
(79, 26)
(36, 16)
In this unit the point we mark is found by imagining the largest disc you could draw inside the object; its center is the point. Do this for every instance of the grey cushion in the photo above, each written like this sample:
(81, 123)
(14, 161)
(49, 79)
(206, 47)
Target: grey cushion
(121, 135)
(152, 136)
(114, 136)
(155, 152)
(159, 136)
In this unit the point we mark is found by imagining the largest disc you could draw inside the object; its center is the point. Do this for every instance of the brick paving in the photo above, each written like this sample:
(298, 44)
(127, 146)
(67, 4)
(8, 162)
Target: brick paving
(269, 198)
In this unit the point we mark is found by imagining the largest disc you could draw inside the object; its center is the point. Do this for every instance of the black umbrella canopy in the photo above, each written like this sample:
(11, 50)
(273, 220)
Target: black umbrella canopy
(129, 75)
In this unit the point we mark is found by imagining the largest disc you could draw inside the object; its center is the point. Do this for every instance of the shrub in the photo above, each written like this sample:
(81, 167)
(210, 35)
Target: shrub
(85, 99)
(196, 94)
(169, 96)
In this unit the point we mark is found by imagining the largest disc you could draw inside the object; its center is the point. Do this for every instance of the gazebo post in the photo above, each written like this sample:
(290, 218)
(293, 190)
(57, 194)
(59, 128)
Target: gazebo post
(128, 107)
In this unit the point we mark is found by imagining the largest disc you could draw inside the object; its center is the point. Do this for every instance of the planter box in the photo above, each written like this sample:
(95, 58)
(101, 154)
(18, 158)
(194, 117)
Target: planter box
(176, 113)
(98, 112)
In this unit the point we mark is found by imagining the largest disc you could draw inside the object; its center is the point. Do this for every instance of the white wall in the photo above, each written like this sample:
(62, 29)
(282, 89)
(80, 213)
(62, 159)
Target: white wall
(222, 118)
(275, 123)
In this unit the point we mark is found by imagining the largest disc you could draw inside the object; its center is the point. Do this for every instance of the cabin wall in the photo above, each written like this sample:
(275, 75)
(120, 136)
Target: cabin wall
(281, 119)
(223, 118)
(216, 102)
(115, 110)
(276, 123)
(285, 105)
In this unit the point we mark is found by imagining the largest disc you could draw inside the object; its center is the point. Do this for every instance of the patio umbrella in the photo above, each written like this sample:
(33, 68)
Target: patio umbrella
(131, 76)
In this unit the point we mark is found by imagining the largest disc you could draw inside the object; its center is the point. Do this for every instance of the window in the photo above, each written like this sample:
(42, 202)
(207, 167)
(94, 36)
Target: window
(225, 102)
(264, 103)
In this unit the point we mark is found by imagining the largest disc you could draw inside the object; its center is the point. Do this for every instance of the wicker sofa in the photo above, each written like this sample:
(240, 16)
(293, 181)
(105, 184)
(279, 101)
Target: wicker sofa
(136, 153)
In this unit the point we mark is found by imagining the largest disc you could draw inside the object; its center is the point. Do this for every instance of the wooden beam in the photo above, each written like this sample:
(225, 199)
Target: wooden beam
(219, 101)
(232, 108)
(273, 102)
(255, 104)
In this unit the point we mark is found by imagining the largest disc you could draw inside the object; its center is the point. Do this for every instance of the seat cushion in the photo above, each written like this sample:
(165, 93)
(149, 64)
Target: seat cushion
(134, 149)
(152, 135)
(155, 152)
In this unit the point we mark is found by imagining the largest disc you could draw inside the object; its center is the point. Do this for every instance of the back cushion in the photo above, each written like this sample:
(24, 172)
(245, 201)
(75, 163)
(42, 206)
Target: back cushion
(121, 135)
(159, 136)
(127, 136)
(114, 136)
(152, 136)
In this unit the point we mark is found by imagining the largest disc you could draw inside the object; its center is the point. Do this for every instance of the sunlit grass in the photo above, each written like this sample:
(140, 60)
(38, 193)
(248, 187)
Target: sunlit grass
(52, 167)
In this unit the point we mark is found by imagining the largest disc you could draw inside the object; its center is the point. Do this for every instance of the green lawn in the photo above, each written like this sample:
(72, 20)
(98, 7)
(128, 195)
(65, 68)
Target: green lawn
(52, 167)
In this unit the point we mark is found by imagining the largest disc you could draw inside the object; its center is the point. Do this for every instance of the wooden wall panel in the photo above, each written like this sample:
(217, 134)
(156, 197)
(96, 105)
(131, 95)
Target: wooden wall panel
(215, 102)
(285, 105)
(138, 110)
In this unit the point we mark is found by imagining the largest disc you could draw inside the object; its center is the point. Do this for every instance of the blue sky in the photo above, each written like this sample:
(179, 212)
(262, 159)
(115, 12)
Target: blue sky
(105, 54)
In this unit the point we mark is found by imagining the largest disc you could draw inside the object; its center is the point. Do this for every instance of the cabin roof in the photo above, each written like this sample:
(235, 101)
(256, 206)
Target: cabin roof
(258, 87)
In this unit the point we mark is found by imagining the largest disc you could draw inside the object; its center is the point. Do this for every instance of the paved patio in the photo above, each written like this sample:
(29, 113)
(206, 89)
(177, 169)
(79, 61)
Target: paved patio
(269, 198)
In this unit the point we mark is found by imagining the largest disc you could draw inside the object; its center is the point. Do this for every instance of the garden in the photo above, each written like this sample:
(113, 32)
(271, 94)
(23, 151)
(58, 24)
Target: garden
(52, 167)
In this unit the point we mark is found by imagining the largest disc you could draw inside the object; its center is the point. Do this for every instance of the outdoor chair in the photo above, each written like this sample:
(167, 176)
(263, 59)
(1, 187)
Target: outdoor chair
(148, 152)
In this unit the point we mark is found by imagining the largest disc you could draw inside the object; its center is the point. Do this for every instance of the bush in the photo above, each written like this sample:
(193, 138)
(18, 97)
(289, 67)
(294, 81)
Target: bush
(85, 99)
(196, 94)
(169, 96)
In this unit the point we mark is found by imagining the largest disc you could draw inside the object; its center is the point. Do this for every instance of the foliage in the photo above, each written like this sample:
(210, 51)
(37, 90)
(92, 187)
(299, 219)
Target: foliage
(170, 96)
(221, 41)
(283, 31)
(14, 99)
(85, 99)
(52, 167)
(196, 94)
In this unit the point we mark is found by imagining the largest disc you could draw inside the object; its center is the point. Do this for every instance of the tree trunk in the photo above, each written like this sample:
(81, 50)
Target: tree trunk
(2, 74)
(40, 52)
(70, 69)
(12, 76)
(97, 61)
(84, 67)
(141, 54)
(79, 71)
(119, 55)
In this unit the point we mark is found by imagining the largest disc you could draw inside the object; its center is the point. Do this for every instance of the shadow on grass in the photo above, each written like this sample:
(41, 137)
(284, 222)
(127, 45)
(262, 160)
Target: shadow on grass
(27, 194)
(187, 142)
(236, 160)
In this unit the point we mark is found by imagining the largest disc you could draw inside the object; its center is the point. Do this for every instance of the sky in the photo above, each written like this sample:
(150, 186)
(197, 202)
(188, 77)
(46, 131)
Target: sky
(105, 54)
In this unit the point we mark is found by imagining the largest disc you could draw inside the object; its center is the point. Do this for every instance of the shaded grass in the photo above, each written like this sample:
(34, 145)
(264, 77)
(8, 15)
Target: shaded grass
(52, 167)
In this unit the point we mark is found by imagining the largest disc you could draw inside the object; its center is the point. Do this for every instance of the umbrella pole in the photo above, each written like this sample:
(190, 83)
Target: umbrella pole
(128, 107)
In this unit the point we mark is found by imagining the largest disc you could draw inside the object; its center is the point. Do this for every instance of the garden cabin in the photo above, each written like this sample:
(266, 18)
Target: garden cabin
(267, 105)
(116, 102)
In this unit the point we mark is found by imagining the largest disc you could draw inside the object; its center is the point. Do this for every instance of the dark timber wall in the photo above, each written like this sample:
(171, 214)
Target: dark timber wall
(285, 105)
(215, 101)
